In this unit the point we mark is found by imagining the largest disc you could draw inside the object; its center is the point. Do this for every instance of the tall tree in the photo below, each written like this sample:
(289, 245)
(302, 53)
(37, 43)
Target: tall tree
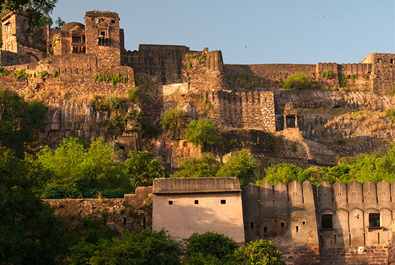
(18, 120)
(29, 231)
(36, 11)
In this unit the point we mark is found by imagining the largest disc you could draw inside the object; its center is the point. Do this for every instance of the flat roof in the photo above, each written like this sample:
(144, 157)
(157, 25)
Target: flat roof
(195, 185)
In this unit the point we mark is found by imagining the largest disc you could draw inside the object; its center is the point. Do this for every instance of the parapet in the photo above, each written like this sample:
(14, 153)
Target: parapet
(101, 14)
(195, 185)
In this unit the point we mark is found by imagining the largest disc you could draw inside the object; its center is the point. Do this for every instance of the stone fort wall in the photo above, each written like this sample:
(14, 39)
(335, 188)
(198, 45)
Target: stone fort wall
(342, 223)
(294, 216)
(132, 213)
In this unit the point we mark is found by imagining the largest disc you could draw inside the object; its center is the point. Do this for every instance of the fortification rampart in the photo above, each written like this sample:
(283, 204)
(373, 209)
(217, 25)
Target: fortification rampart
(341, 216)
(245, 110)
(132, 213)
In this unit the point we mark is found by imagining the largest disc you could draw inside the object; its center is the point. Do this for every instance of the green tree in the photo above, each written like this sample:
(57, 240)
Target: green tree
(148, 248)
(18, 120)
(260, 252)
(59, 23)
(114, 126)
(241, 165)
(143, 167)
(37, 12)
(299, 82)
(209, 248)
(282, 172)
(79, 172)
(203, 132)
(173, 121)
(204, 166)
(29, 231)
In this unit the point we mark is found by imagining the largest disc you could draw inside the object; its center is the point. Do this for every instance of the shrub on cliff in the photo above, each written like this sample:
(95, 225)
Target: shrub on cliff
(299, 82)
(114, 102)
(134, 95)
(142, 167)
(173, 121)
(241, 165)
(203, 132)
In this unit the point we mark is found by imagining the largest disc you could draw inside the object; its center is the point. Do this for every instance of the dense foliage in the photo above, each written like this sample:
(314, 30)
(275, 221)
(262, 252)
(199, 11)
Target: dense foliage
(241, 164)
(29, 231)
(18, 120)
(142, 167)
(299, 82)
(373, 167)
(260, 252)
(204, 166)
(149, 247)
(203, 132)
(214, 247)
(37, 11)
(173, 121)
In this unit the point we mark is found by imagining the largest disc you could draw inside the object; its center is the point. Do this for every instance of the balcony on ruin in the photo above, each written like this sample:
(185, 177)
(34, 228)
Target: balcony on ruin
(103, 41)
(78, 48)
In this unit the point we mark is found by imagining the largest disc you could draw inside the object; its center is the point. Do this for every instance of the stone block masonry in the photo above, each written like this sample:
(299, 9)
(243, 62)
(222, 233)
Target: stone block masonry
(245, 110)
(10, 58)
(132, 213)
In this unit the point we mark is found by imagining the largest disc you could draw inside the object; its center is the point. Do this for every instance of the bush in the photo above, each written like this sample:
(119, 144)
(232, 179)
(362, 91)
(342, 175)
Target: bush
(114, 126)
(43, 74)
(143, 167)
(202, 167)
(134, 95)
(328, 74)
(203, 132)
(150, 129)
(390, 113)
(100, 103)
(260, 252)
(299, 82)
(55, 73)
(240, 165)
(114, 102)
(173, 120)
(149, 247)
(211, 245)
(20, 74)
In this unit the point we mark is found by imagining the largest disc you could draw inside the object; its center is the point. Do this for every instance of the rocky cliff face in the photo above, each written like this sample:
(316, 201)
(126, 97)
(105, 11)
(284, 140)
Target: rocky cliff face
(331, 99)
(73, 119)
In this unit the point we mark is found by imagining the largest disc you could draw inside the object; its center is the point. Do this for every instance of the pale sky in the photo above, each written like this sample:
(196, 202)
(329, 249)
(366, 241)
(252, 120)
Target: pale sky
(254, 32)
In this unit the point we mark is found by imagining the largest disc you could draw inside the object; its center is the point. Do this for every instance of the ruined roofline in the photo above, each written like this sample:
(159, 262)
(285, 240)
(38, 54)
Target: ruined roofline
(163, 45)
(195, 185)
(7, 15)
(96, 13)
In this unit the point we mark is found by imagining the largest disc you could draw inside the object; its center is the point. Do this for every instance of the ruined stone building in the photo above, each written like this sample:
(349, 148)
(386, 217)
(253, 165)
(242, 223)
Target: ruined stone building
(339, 224)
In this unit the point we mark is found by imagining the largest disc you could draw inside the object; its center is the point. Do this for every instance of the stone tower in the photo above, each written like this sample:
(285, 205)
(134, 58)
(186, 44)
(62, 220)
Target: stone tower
(103, 37)
(18, 39)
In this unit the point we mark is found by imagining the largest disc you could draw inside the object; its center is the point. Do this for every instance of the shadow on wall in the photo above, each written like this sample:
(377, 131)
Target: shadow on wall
(183, 215)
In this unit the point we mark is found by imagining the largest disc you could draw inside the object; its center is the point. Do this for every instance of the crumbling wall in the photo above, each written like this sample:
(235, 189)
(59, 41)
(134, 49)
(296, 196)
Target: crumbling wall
(132, 213)
(245, 110)
(10, 58)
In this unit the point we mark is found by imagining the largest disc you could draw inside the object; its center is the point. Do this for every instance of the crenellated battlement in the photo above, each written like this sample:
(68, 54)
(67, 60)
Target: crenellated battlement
(342, 215)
